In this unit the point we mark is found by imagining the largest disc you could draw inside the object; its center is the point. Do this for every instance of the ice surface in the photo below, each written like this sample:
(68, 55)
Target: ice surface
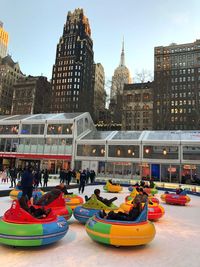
(176, 243)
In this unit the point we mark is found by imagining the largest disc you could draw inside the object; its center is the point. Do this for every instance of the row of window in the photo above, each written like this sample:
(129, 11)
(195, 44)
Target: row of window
(177, 111)
(178, 49)
(69, 80)
(70, 61)
(181, 110)
(185, 79)
(66, 99)
(68, 86)
(65, 93)
(66, 74)
(181, 102)
(133, 151)
(179, 119)
(36, 145)
(184, 87)
(183, 71)
(177, 65)
(178, 57)
(37, 129)
(138, 97)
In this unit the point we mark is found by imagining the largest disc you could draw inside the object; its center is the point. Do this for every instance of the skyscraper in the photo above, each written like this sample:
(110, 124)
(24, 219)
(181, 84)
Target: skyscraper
(3, 41)
(177, 87)
(72, 81)
(121, 76)
(99, 91)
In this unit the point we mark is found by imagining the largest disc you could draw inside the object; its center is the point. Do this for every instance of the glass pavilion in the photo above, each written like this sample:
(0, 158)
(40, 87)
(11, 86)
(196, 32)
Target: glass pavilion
(166, 156)
(64, 140)
(43, 140)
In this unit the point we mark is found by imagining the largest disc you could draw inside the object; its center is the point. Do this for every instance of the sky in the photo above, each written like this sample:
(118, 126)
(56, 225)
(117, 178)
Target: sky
(35, 26)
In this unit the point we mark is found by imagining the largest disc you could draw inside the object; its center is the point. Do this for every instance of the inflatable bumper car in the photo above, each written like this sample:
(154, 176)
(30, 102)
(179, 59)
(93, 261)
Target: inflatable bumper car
(112, 188)
(175, 199)
(121, 233)
(19, 228)
(73, 200)
(17, 193)
(59, 207)
(91, 207)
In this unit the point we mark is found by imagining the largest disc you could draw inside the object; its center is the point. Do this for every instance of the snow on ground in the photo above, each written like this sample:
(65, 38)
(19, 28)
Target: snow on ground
(176, 243)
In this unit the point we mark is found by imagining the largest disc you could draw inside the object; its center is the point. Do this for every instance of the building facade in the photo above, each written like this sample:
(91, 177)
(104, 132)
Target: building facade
(99, 91)
(177, 86)
(9, 74)
(137, 111)
(3, 41)
(121, 76)
(45, 141)
(31, 95)
(72, 81)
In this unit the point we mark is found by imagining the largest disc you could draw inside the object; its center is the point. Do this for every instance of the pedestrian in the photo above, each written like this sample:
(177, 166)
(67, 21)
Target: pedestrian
(19, 174)
(27, 182)
(78, 174)
(74, 175)
(45, 177)
(36, 179)
(82, 182)
(13, 177)
(7, 174)
(87, 176)
(39, 177)
(92, 176)
(68, 176)
(4, 177)
(62, 176)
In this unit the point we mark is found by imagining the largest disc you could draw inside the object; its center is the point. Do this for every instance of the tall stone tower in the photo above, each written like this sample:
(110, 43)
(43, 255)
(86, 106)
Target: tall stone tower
(72, 81)
(121, 76)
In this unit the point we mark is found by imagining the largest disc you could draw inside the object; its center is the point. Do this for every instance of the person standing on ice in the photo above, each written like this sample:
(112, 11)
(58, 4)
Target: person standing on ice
(83, 178)
(27, 182)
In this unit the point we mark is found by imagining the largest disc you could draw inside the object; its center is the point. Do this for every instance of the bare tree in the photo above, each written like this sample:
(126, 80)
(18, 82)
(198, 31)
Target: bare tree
(143, 76)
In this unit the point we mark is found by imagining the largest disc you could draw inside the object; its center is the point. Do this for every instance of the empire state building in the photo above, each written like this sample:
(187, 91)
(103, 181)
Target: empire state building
(121, 76)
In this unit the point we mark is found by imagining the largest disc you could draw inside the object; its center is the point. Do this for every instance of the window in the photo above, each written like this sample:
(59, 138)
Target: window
(137, 97)
(9, 129)
(59, 129)
(146, 97)
(32, 129)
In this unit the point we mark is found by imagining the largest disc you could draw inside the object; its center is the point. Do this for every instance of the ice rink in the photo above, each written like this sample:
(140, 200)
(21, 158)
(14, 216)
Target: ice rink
(177, 242)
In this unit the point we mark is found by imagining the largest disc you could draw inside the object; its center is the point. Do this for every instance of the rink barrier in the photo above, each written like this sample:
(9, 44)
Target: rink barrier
(4, 193)
(162, 188)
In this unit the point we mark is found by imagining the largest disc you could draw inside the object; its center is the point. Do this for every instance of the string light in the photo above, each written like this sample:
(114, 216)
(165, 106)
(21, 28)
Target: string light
(118, 152)
(164, 151)
(102, 151)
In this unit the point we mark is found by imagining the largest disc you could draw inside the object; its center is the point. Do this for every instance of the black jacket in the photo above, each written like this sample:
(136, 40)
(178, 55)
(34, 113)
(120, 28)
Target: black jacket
(27, 179)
